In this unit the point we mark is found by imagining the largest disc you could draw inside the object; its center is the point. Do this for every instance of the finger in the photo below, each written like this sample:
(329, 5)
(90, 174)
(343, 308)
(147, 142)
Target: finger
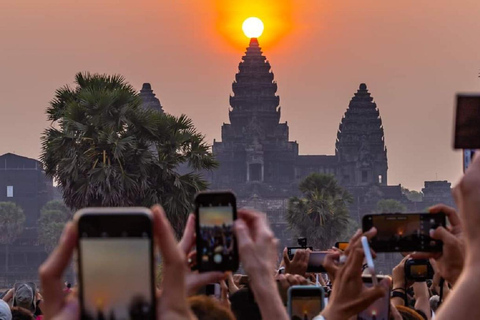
(372, 294)
(256, 222)
(330, 263)
(198, 280)
(306, 256)
(188, 239)
(52, 270)
(286, 259)
(244, 239)
(354, 262)
(165, 237)
(292, 280)
(283, 281)
(423, 255)
(450, 212)
(442, 234)
(356, 236)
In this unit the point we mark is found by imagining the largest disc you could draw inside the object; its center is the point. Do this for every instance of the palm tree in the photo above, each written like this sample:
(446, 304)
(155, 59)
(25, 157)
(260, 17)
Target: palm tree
(53, 217)
(321, 214)
(390, 206)
(12, 221)
(104, 149)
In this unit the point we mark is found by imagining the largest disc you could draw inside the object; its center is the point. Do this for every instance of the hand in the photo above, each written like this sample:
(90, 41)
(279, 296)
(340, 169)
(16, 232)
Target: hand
(56, 306)
(257, 245)
(194, 280)
(299, 263)
(224, 295)
(450, 261)
(173, 304)
(398, 275)
(285, 281)
(232, 287)
(349, 295)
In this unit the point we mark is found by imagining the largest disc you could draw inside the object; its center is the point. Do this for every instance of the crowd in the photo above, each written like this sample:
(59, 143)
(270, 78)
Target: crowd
(452, 294)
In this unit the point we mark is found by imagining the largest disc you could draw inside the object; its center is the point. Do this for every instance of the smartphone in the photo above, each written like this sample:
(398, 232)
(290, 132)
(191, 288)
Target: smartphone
(315, 262)
(215, 214)
(305, 302)
(116, 263)
(399, 232)
(418, 270)
(291, 251)
(341, 245)
(467, 120)
(380, 309)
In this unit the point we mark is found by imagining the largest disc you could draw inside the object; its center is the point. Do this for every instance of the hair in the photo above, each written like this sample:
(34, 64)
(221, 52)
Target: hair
(409, 314)
(19, 313)
(244, 306)
(206, 308)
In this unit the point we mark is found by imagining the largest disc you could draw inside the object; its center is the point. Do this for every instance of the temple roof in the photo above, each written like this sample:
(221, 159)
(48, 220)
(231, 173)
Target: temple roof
(149, 101)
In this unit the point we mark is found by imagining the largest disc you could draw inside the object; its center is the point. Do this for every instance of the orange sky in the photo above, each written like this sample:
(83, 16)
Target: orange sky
(414, 56)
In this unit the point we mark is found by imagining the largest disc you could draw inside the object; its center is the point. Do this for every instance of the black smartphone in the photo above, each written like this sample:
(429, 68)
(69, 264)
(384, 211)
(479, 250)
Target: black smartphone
(315, 261)
(305, 302)
(467, 122)
(418, 270)
(116, 263)
(291, 251)
(341, 245)
(400, 232)
(215, 214)
(380, 309)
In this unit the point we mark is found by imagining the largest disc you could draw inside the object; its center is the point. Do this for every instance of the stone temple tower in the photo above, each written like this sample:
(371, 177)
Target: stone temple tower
(149, 100)
(360, 146)
(255, 153)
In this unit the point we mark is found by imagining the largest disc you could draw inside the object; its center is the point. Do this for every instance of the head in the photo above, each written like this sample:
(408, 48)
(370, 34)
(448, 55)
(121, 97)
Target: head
(206, 308)
(19, 313)
(244, 306)
(5, 313)
(25, 296)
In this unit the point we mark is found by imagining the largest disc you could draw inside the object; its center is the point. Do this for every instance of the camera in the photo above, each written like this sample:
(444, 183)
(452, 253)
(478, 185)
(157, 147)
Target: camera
(418, 270)
(302, 242)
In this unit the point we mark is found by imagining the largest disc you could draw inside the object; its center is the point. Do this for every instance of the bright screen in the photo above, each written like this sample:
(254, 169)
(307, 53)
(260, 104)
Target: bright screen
(116, 278)
(216, 234)
(306, 308)
(378, 310)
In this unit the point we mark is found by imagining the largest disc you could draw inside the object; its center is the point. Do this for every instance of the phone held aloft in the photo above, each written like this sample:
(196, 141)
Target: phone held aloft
(418, 270)
(305, 302)
(116, 263)
(404, 232)
(215, 214)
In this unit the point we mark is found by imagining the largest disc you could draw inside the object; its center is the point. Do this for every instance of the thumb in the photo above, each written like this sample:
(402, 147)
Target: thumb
(70, 311)
(243, 235)
(441, 233)
(286, 259)
(370, 295)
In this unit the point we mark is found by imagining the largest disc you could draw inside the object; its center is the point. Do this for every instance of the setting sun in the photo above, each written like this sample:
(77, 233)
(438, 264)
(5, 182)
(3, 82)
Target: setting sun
(252, 27)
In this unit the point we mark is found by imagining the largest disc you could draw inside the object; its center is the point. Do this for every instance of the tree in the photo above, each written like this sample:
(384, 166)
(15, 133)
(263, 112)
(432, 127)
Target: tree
(12, 221)
(390, 206)
(104, 149)
(321, 214)
(413, 195)
(53, 217)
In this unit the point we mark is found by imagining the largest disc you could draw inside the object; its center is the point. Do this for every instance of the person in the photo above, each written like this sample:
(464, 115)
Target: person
(25, 297)
(206, 308)
(5, 313)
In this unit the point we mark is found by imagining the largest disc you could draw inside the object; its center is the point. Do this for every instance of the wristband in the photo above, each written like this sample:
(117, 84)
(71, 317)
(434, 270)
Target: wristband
(396, 294)
(399, 288)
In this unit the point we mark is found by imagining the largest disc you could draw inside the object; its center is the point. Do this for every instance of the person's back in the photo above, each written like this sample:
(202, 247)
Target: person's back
(206, 308)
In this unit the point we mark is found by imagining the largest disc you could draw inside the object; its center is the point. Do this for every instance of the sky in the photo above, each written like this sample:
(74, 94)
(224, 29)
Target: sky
(414, 56)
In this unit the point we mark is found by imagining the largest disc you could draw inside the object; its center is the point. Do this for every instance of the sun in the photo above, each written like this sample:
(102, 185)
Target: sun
(252, 27)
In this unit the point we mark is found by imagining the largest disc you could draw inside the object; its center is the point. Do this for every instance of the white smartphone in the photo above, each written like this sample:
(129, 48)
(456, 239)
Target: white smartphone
(369, 258)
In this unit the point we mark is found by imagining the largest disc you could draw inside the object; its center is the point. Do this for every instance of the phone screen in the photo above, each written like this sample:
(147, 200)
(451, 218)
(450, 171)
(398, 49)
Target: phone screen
(467, 130)
(216, 249)
(404, 232)
(379, 310)
(116, 267)
(342, 245)
(306, 307)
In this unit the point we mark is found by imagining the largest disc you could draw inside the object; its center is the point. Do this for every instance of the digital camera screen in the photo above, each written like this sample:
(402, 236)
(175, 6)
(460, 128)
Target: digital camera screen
(419, 270)
(404, 232)
(116, 278)
(379, 310)
(216, 236)
(306, 308)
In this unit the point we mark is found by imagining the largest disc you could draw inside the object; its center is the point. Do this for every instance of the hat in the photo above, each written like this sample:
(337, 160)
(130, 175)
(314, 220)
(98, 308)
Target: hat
(25, 296)
(5, 313)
